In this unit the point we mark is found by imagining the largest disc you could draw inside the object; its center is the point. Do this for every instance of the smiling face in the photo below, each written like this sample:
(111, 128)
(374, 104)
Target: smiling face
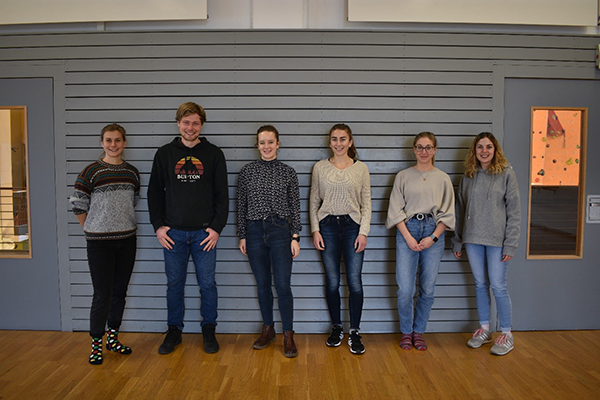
(484, 151)
(340, 142)
(424, 150)
(113, 144)
(189, 128)
(267, 144)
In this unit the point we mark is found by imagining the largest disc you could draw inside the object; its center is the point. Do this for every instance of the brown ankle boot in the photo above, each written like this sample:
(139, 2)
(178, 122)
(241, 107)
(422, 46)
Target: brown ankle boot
(289, 347)
(266, 337)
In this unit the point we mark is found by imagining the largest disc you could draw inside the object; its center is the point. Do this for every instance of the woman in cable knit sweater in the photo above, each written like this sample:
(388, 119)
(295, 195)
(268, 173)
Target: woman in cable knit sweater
(340, 219)
(421, 208)
(488, 218)
(104, 200)
(268, 225)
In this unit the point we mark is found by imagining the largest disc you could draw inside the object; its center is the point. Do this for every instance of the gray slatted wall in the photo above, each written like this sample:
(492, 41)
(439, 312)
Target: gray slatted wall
(387, 86)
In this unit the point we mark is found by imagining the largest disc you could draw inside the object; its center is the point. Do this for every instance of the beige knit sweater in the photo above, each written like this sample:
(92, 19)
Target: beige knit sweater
(414, 192)
(341, 192)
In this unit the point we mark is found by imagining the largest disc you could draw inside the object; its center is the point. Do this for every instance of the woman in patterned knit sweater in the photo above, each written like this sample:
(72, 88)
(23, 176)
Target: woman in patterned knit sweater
(104, 200)
(340, 219)
(268, 225)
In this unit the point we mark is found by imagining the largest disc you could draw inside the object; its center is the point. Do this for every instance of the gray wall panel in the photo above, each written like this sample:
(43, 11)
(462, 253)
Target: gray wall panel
(387, 86)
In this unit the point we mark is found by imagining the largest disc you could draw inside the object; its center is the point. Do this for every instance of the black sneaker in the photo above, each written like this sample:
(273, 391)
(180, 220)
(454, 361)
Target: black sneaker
(210, 341)
(336, 336)
(173, 339)
(355, 343)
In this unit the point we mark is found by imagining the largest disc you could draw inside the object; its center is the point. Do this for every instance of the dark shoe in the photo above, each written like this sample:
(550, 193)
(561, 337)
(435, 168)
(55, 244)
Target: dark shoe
(173, 339)
(289, 347)
(336, 336)
(266, 337)
(210, 341)
(355, 343)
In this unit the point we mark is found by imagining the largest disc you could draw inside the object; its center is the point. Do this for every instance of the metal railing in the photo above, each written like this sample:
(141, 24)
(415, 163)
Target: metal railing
(14, 219)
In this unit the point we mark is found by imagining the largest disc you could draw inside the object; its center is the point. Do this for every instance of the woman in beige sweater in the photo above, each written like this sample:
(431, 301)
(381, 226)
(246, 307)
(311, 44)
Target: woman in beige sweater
(421, 208)
(340, 218)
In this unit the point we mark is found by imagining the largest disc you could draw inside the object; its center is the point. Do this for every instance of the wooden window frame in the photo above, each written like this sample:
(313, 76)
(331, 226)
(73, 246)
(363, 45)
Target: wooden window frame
(22, 253)
(581, 188)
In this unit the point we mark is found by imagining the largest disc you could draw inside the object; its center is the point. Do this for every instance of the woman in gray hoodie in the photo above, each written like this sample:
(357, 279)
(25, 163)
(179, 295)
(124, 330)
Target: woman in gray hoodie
(488, 217)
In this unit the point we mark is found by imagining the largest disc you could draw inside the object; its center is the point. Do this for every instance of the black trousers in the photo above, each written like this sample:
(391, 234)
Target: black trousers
(111, 264)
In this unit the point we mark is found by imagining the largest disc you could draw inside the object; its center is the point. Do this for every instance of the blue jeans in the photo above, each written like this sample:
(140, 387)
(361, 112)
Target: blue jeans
(176, 262)
(408, 262)
(486, 262)
(268, 244)
(339, 233)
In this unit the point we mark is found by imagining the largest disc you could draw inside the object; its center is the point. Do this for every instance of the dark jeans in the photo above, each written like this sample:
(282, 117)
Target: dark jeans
(111, 263)
(176, 265)
(339, 233)
(268, 244)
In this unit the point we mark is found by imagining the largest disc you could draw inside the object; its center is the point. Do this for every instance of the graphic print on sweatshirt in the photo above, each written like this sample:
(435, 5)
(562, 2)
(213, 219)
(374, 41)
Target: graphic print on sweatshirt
(189, 169)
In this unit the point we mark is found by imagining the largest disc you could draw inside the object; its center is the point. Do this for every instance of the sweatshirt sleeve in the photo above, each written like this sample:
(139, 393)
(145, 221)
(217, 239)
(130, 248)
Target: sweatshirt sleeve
(396, 211)
(460, 212)
(445, 212)
(157, 194)
(221, 194)
(513, 214)
(315, 199)
(365, 202)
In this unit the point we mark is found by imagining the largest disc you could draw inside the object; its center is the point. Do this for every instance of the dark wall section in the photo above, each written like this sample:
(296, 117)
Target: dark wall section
(554, 294)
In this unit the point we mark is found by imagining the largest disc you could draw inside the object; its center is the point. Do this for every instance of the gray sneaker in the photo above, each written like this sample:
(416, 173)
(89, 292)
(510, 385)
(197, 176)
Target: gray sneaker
(503, 345)
(480, 337)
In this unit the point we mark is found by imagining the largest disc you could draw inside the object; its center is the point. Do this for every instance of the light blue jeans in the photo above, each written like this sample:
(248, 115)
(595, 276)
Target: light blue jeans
(408, 262)
(488, 269)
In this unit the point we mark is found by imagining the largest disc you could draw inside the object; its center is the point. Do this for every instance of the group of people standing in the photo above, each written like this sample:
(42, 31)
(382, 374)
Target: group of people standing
(188, 204)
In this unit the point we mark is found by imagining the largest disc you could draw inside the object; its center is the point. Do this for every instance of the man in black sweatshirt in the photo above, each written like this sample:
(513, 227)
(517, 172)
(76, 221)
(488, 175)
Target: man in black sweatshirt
(188, 203)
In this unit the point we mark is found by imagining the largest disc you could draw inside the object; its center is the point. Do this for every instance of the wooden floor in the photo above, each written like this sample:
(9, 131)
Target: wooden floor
(544, 365)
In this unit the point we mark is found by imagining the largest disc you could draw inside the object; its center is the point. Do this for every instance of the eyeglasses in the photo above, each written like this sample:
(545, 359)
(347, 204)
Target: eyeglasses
(420, 148)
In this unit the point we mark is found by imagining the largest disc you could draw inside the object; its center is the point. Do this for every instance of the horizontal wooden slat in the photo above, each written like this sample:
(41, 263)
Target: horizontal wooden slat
(214, 129)
(293, 49)
(194, 89)
(256, 37)
(285, 76)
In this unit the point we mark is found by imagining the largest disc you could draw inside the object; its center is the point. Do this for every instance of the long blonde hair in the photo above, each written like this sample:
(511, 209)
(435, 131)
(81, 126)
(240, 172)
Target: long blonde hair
(498, 163)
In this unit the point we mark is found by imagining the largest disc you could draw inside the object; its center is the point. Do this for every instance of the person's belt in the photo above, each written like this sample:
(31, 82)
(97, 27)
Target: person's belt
(421, 216)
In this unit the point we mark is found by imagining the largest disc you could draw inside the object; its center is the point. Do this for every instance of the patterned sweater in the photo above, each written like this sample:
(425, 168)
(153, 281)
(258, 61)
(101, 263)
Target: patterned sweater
(267, 188)
(336, 191)
(108, 194)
